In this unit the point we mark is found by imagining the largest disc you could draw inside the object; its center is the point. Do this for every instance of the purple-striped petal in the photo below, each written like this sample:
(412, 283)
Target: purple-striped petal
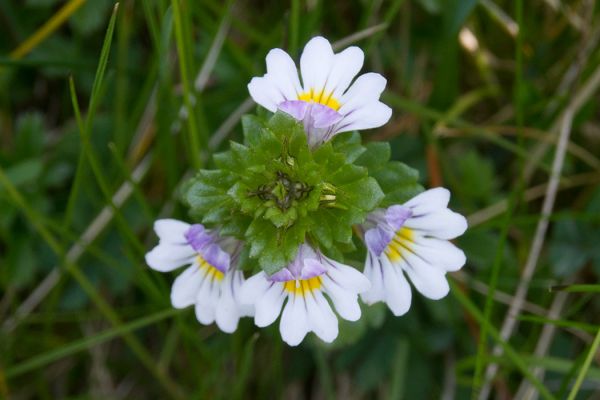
(396, 215)
(312, 267)
(198, 237)
(377, 239)
(282, 275)
(322, 116)
(295, 108)
(215, 256)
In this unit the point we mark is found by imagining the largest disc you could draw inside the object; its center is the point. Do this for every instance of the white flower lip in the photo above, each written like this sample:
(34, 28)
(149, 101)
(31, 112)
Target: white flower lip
(419, 248)
(326, 80)
(309, 277)
(210, 282)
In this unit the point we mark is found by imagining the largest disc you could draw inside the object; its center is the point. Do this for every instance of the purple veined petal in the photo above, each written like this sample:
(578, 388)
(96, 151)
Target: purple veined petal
(282, 275)
(374, 218)
(395, 216)
(295, 108)
(296, 266)
(198, 237)
(319, 123)
(322, 116)
(377, 239)
(312, 267)
(318, 119)
(215, 256)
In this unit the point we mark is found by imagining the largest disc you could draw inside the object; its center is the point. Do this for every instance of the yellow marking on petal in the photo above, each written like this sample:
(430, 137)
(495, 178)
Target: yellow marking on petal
(301, 287)
(320, 97)
(401, 242)
(212, 272)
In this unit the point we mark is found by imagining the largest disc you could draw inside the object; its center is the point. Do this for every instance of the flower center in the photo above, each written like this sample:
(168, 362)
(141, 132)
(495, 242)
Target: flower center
(320, 97)
(212, 273)
(400, 243)
(283, 191)
(302, 287)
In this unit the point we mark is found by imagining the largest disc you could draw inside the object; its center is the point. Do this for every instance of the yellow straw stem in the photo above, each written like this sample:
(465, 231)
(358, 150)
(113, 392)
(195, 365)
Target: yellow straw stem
(47, 29)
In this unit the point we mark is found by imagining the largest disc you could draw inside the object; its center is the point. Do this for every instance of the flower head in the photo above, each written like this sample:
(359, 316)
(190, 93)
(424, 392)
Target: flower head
(211, 282)
(412, 239)
(323, 102)
(303, 283)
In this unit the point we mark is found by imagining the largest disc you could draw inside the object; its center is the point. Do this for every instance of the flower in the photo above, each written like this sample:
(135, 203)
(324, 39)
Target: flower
(322, 102)
(303, 284)
(412, 239)
(211, 282)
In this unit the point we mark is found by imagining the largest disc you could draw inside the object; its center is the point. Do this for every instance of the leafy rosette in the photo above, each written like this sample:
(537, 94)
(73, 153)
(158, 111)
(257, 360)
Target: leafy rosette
(274, 192)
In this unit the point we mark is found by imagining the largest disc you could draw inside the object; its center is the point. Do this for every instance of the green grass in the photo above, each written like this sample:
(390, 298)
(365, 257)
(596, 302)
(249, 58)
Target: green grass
(94, 147)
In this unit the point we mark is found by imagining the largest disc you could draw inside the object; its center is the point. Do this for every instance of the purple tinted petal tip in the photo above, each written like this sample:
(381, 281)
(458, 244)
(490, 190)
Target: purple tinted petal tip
(295, 108)
(312, 267)
(395, 216)
(323, 116)
(377, 239)
(282, 275)
(216, 257)
(198, 237)
(305, 266)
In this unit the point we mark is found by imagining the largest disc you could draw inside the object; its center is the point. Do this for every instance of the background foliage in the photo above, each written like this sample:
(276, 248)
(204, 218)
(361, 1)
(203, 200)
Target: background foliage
(94, 146)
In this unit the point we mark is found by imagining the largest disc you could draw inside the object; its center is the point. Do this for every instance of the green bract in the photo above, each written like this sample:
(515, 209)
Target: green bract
(274, 192)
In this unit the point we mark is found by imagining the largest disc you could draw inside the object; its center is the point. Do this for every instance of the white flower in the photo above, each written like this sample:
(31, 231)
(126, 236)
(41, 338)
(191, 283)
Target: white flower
(413, 240)
(322, 102)
(211, 282)
(303, 284)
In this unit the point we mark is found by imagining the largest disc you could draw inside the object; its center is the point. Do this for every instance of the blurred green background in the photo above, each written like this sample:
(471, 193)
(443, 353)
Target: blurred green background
(496, 100)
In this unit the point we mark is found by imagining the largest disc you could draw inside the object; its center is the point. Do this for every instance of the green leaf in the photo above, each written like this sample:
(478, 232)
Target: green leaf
(274, 191)
(375, 156)
(364, 194)
(253, 129)
(349, 144)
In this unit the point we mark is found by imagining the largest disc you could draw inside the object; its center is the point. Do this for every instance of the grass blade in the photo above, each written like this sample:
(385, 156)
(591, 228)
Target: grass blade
(514, 357)
(584, 368)
(86, 343)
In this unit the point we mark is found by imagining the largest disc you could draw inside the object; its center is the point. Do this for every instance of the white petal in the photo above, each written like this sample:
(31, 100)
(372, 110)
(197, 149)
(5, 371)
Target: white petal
(429, 201)
(282, 70)
(269, 305)
(374, 273)
(429, 281)
(440, 253)
(205, 314)
(442, 224)
(206, 300)
(369, 116)
(186, 286)
(254, 288)
(171, 230)
(348, 277)
(167, 257)
(345, 67)
(345, 301)
(398, 295)
(246, 310)
(227, 312)
(315, 63)
(227, 315)
(294, 322)
(321, 319)
(365, 90)
(264, 92)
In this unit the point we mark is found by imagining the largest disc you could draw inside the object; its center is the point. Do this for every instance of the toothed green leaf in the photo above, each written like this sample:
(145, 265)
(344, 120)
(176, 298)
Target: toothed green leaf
(275, 193)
